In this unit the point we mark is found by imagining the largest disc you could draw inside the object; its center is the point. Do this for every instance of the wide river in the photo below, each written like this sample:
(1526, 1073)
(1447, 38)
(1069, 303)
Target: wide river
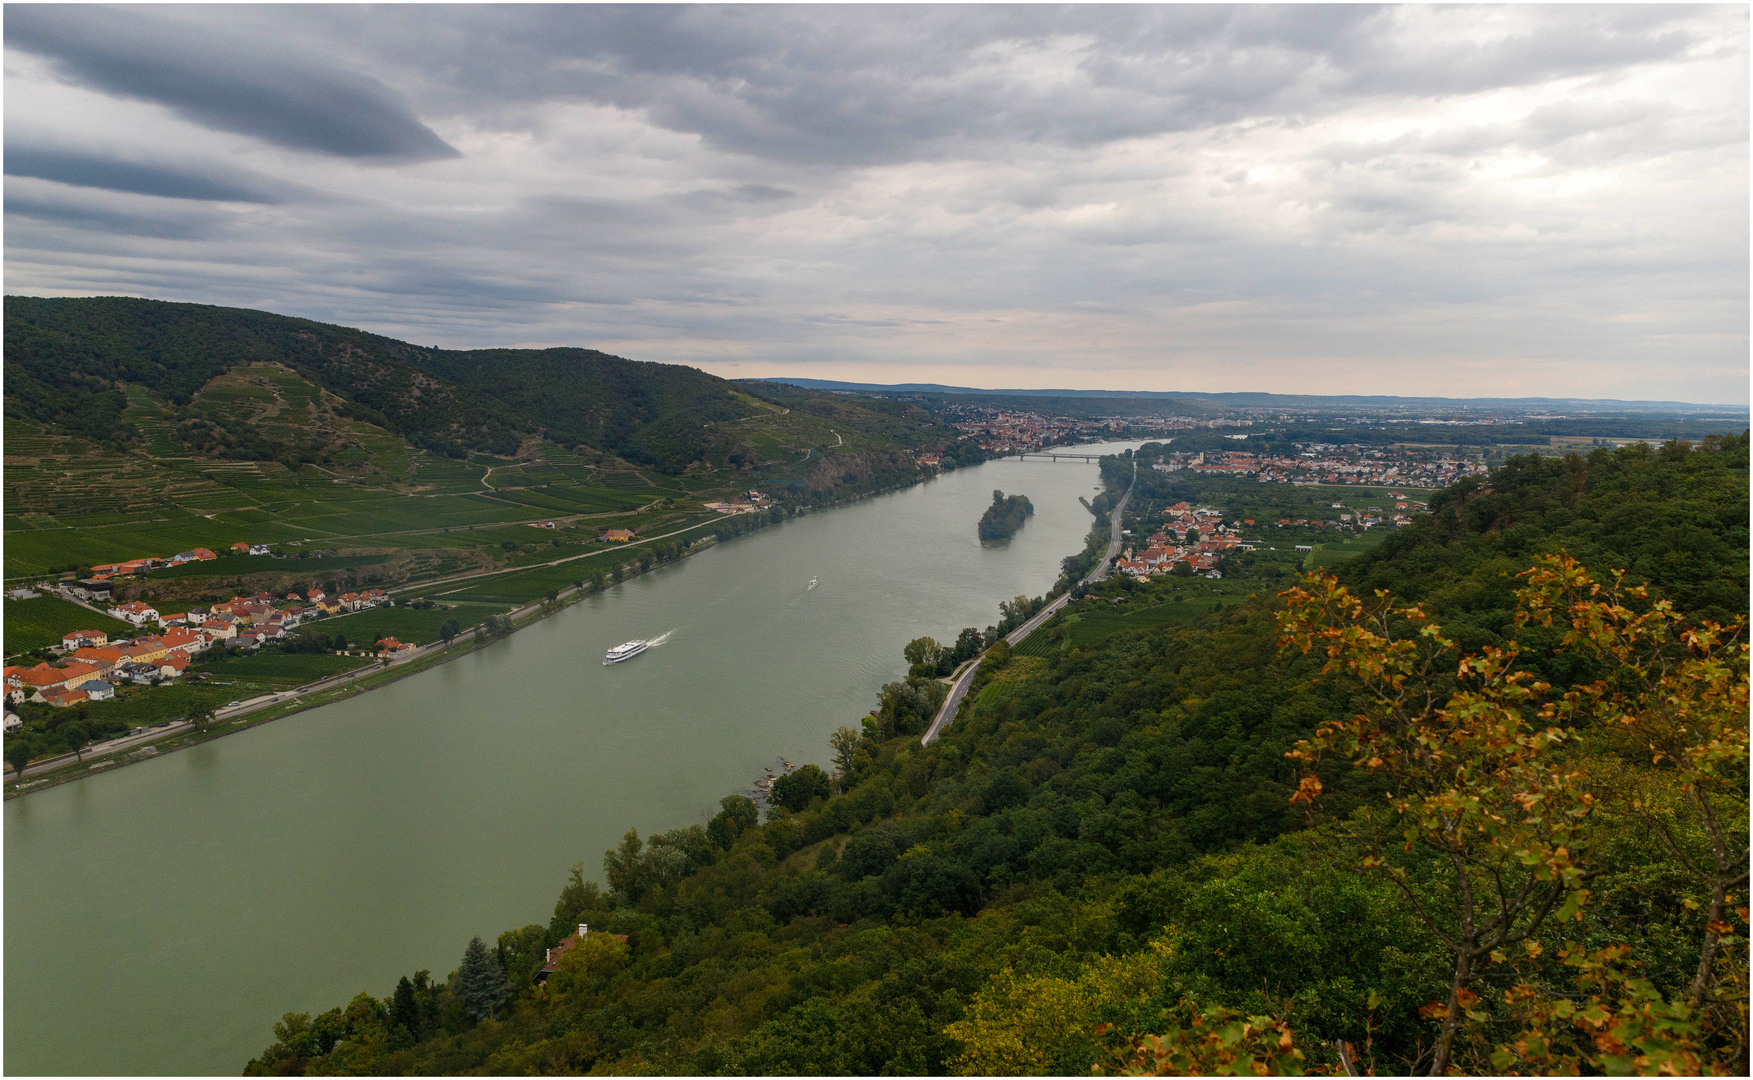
(160, 918)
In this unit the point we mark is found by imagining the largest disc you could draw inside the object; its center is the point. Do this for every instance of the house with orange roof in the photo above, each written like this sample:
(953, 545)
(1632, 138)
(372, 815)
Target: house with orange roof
(61, 697)
(104, 657)
(44, 678)
(391, 647)
(14, 682)
(84, 637)
(184, 640)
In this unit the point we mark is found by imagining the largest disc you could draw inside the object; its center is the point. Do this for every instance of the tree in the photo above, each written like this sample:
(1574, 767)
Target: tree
(621, 866)
(1675, 694)
(801, 786)
(449, 630)
(736, 815)
(1486, 832)
(597, 956)
(405, 1011)
(18, 755)
(922, 655)
(201, 716)
(1045, 1024)
(844, 743)
(480, 982)
(76, 737)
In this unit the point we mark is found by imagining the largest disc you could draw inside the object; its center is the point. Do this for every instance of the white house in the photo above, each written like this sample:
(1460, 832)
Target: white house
(136, 612)
(98, 690)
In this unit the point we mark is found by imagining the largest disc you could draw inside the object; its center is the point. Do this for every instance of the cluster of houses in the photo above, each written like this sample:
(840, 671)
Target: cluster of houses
(95, 666)
(92, 665)
(1190, 534)
(739, 504)
(1327, 463)
(97, 585)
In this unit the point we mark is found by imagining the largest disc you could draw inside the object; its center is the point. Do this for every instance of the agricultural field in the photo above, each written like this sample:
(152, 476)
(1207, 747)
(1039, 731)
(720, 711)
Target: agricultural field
(416, 626)
(39, 623)
(271, 669)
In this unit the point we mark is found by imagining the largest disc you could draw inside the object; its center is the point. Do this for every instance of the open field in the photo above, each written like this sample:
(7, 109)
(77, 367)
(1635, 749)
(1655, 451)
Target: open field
(273, 669)
(34, 624)
(413, 625)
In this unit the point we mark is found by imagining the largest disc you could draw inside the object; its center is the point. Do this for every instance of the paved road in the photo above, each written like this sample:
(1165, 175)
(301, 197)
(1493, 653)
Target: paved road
(422, 586)
(952, 704)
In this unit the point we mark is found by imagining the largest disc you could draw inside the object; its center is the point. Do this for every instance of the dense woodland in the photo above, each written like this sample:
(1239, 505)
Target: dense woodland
(1214, 845)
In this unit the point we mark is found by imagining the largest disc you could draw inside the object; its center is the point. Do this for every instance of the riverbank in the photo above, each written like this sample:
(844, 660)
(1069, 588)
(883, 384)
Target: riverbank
(163, 739)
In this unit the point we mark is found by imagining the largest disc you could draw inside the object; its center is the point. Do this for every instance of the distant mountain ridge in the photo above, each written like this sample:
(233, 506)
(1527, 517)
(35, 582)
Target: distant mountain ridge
(1264, 400)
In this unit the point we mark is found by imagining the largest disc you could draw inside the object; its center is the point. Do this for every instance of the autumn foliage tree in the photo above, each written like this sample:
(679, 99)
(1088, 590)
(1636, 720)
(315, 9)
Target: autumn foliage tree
(1483, 786)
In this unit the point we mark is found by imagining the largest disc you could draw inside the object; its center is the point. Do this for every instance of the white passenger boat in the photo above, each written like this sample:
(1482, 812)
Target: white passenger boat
(625, 652)
(812, 584)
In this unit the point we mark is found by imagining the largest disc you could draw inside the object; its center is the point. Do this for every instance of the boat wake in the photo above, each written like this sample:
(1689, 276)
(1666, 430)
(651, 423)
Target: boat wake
(661, 638)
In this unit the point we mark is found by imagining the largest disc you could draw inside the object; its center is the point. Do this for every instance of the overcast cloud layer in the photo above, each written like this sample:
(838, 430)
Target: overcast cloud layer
(1451, 201)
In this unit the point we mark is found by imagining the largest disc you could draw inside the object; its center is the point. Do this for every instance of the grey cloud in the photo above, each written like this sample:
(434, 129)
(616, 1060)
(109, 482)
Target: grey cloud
(228, 85)
(83, 169)
(109, 219)
(857, 86)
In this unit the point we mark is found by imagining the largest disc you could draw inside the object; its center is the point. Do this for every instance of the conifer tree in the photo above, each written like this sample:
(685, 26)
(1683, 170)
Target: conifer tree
(480, 982)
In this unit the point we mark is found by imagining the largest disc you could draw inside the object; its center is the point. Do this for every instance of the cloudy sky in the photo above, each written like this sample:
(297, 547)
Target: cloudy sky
(1470, 201)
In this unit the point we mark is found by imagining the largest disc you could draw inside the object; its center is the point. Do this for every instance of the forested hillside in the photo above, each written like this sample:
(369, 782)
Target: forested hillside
(69, 362)
(1300, 834)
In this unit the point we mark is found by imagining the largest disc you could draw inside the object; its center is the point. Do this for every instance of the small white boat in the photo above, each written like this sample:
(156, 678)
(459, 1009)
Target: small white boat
(812, 584)
(626, 652)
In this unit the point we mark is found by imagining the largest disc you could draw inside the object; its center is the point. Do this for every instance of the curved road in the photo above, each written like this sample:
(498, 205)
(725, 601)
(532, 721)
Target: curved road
(953, 703)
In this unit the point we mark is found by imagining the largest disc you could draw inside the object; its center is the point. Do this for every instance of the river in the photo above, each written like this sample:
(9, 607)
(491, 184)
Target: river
(160, 918)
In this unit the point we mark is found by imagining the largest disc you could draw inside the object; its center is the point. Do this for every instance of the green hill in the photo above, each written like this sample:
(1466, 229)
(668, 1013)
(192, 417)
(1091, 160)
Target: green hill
(1106, 836)
(70, 363)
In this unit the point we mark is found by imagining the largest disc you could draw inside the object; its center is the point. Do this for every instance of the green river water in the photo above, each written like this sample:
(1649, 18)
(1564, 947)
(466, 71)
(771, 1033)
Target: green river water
(159, 919)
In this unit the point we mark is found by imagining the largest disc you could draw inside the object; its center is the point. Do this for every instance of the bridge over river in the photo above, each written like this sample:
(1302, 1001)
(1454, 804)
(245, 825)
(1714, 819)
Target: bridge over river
(1059, 456)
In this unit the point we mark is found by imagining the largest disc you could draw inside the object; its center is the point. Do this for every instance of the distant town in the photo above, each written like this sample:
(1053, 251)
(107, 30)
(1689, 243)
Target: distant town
(1007, 431)
(1326, 463)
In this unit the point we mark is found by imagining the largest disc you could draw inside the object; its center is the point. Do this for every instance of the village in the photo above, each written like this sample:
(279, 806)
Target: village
(92, 664)
(1194, 537)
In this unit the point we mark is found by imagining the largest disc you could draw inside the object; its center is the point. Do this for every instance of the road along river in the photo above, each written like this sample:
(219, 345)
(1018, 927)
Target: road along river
(160, 918)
